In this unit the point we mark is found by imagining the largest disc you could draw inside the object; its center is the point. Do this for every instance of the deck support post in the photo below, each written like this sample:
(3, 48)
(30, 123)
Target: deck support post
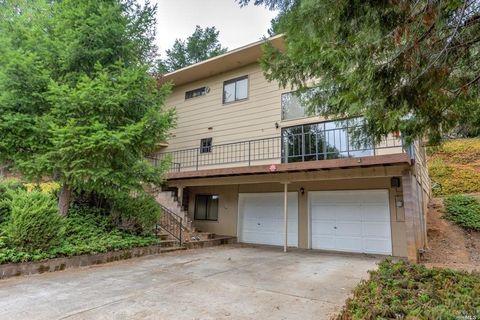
(180, 195)
(285, 214)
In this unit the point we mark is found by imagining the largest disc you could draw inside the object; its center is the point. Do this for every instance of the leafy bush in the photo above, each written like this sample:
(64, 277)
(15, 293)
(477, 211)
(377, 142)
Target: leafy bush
(406, 291)
(10, 184)
(34, 222)
(6, 189)
(135, 214)
(463, 210)
(87, 231)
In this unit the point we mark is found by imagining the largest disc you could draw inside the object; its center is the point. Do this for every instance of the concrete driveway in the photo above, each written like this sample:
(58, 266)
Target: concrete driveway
(227, 282)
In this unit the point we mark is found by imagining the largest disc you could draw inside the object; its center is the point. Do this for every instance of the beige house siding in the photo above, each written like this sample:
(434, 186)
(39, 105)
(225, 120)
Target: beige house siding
(207, 117)
(237, 122)
(228, 206)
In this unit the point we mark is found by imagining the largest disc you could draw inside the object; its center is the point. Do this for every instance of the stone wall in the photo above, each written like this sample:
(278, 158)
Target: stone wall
(57, 264)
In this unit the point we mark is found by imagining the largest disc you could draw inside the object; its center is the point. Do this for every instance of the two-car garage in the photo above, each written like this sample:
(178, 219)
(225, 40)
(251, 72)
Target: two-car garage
(348, 220)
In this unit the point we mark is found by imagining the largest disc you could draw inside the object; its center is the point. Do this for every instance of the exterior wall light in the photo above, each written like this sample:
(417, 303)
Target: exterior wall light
(302, 191)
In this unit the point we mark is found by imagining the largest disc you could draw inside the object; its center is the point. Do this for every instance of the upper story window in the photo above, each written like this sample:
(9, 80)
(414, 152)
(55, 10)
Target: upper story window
(206, 145)
(294, 105)
(235, 89)
(291, 107)
(196, 93)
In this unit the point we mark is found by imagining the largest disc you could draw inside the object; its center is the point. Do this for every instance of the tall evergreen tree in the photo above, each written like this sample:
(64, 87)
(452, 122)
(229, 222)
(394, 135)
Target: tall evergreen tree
(77, 100)
(201, 45)
(409, 66)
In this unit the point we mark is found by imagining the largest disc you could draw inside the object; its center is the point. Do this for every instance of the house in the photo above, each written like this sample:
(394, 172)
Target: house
(247, 161)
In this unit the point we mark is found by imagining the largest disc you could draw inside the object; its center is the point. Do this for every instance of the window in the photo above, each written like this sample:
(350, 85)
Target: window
(294, 104)
(235, 90)
(206, 207)
(291, 107)
(206, 145)
(196, 93)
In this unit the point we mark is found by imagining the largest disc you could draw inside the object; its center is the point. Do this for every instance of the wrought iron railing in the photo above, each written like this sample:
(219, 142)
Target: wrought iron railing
(290, 147)
(246, 152)
(173, 224)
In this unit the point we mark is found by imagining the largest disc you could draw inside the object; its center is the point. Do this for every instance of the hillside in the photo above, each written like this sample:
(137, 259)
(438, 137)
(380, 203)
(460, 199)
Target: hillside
(455, 167)
(448, 244)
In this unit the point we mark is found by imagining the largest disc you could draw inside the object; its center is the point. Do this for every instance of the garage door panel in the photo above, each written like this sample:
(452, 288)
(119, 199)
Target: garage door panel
(261, 218)
(349, 244)
(376, 246)
(376, 229)
(353, 220)
(348, 212)
(324, 242)
(348, 228)
(379, 197)
(334, 197)
(324, 227)
(250, 224)
(374, 213)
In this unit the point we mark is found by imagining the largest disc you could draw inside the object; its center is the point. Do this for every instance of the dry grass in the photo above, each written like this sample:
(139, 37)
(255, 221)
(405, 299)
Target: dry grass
(454, 167)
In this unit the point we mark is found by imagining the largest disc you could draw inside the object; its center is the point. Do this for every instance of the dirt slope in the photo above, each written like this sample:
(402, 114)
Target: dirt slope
(449, 245)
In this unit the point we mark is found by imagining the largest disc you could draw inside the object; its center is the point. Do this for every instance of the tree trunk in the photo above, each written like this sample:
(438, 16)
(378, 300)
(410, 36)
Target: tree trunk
(64, 199)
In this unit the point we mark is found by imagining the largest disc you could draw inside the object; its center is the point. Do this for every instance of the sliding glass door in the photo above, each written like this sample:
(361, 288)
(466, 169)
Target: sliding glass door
(324, 140)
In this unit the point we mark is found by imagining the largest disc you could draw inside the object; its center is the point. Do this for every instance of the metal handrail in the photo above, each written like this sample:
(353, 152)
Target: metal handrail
(288, 147)
(172, 223)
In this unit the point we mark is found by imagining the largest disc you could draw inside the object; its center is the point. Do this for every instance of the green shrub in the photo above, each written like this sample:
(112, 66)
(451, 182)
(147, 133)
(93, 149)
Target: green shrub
(463, 210)
(90, 230)
(35, 222)
(135, 214)
(87, 231)
(406, 291)
(6, 189)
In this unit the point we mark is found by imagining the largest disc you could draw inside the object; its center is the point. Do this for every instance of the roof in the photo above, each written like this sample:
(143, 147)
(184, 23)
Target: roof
(228, 61)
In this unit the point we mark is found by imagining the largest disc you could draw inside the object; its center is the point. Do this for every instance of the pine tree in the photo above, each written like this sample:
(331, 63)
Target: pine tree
(201, 45)
(409, 66)
(77, 98)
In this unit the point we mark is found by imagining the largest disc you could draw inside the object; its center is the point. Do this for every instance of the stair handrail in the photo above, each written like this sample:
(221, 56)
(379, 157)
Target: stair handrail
(171, 219)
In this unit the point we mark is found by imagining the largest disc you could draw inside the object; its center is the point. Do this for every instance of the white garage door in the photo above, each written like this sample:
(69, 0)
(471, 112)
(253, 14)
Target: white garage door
(352, 221)
(261, 218)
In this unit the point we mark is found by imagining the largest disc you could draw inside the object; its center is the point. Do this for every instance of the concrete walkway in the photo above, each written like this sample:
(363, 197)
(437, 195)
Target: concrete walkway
(227, 282)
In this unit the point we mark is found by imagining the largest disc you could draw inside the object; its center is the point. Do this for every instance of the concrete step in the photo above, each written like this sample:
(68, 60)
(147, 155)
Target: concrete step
(164, 236)
(171, 249)
(216, 241)
(169, 243)
(202, 236)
